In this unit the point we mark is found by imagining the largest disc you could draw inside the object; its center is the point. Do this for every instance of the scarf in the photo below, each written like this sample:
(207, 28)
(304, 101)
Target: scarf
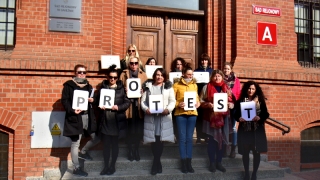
(81, 82)
(229, 80)
(134, 74)
(216, 118)
(252, 125)
(211, 89)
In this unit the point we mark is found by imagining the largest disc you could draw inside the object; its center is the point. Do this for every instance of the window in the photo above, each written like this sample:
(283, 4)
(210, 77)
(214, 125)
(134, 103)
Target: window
(307, 27)
(7, 24)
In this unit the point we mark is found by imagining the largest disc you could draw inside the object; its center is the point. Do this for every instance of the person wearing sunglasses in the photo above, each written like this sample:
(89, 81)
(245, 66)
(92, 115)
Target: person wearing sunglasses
(78, 121)
(132, 51)
(134, 113)
(113, 122)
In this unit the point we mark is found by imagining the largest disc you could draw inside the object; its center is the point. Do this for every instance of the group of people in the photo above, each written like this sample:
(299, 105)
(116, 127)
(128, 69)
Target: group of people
(131, 118)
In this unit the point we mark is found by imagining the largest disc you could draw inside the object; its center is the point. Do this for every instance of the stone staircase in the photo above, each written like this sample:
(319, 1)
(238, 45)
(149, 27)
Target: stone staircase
(140, 170)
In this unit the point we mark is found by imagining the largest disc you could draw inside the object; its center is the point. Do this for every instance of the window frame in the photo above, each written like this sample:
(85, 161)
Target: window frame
(6, 9)
(308, 34)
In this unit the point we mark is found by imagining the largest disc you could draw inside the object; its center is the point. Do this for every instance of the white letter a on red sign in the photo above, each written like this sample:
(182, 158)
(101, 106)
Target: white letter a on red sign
(267, 34)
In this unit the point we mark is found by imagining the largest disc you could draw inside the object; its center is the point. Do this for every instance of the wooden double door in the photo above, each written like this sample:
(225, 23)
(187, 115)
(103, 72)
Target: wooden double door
(165, 38)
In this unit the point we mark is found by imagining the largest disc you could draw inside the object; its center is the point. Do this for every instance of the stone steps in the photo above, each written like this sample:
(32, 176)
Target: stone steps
(233, 173)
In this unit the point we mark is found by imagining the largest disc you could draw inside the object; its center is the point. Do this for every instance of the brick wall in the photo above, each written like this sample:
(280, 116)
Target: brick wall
(292, 91)
(33, 73)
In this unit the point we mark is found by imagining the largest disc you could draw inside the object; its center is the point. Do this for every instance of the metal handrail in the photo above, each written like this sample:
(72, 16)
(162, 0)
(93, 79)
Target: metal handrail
(277, 125)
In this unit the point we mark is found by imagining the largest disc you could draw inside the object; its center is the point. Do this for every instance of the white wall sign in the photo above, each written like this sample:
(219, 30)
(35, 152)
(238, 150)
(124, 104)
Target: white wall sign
(108, 60)
(80, 99)
(202, 77)
(156, 103)
(133, 88)
(173, 75)
(107, 97)
(43, 123)
(220, 102)
(150, 70)
(248, 110)
(190, 100)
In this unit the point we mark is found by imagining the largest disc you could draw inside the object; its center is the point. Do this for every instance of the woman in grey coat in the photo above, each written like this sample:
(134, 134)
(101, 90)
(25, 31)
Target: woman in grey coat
(158, 127)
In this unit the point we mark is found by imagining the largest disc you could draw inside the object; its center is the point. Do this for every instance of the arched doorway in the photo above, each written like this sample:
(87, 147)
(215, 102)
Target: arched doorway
(4, 143)
(310, 145)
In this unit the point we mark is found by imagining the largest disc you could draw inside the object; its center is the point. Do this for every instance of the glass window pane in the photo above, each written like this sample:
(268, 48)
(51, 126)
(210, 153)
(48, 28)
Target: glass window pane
(12, 3)
(316, 48)
(316, 23)
(301, 16)
(2, 33)
(11, 16)
(3, 3)
(180, 4)
(3, 15)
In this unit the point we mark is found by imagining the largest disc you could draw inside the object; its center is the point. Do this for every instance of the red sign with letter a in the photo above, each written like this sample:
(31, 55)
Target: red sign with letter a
(267, 33)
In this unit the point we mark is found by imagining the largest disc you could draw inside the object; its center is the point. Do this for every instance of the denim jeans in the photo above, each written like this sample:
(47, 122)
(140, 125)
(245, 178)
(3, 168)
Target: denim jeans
(185, 126)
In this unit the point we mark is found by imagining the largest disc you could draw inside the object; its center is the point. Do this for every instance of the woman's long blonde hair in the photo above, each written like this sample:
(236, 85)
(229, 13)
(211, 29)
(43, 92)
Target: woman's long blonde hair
(127, 58)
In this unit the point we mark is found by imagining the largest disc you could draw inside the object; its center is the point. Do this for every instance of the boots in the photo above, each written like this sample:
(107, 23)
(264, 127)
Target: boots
(189, 167)
(154, 168)
(130, 154)
(184, 166)
(220, 167)
(136, 154)
(159, 167)
(212, 167)
(233, 152)
(246, 176)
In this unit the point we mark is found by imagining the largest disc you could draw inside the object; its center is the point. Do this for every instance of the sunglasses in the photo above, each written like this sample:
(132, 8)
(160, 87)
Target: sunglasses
(133, 63)
(113, 77)
(131, 50)
(82, 72)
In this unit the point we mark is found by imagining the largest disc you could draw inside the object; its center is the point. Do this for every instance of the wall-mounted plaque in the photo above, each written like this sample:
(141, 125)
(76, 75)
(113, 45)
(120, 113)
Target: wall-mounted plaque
(65, 8)
(66, 25)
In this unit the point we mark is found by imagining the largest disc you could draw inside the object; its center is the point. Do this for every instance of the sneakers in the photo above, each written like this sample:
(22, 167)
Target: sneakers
(85, 156)
(78, 172)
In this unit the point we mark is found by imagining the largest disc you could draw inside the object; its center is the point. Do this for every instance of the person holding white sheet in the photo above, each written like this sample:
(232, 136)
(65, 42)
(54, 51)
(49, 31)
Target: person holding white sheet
(78, 121)
(113, 122)
(204, 66)
(158, 127)
(134, 113)
(252, 134)
(186, 119)
(215, 124)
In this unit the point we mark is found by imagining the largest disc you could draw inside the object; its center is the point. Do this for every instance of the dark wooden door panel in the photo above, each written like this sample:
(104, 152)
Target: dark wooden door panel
(164, 38)
(184, 45)
(147, 43)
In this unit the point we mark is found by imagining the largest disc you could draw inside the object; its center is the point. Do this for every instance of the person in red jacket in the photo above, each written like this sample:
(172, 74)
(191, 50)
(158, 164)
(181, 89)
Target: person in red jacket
(234, 84)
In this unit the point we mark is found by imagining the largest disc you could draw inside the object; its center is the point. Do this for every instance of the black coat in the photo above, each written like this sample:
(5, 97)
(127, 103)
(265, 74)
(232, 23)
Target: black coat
(256, 138)
(73, 122)
(123, 104)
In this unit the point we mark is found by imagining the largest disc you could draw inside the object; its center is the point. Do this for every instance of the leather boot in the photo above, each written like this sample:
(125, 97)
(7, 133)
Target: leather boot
(130, 154)
(159, 167)
(184, 166)
(154, 168)
(212, 167)
(136, 154)
(220, 167)
(111, 170)
(189, 167)
(233, 152)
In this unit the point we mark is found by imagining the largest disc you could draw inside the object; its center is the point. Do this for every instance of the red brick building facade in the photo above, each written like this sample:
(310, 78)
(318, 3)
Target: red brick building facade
(33, 70)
